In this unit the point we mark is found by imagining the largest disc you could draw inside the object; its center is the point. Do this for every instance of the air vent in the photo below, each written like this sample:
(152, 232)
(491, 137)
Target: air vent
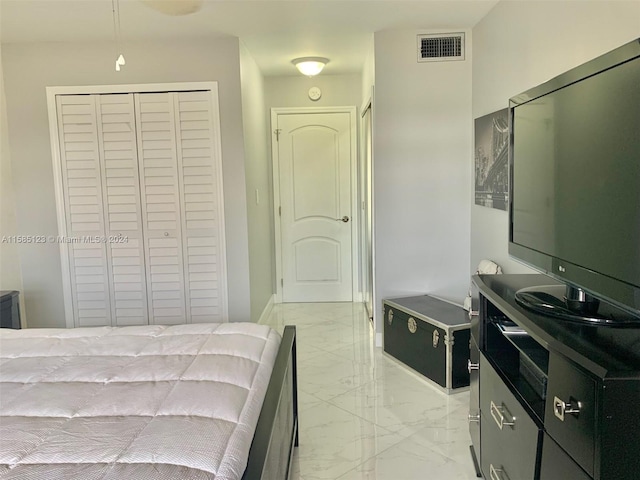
(441, 47)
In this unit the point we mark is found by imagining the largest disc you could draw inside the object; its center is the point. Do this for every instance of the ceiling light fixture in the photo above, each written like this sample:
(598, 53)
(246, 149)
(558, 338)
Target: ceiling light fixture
(310, 66)
(115, 8)
(174, 7)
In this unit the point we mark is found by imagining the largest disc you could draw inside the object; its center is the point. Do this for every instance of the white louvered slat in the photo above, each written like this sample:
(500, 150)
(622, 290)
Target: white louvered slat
(82, 184)
(124, 234)
(160, 196)
(201, 190)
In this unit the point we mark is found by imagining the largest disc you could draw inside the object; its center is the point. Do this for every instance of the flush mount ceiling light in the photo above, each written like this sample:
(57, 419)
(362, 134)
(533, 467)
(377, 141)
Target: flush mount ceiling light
(310, 66)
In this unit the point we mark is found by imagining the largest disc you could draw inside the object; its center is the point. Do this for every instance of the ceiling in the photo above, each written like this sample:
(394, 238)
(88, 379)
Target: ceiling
(274, 31)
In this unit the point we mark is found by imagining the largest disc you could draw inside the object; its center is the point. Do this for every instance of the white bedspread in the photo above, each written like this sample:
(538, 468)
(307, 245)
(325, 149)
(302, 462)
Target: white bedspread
(153, 402)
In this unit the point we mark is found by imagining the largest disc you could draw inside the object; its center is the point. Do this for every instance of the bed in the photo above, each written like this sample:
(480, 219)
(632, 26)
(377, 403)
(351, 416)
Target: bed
(197, 401)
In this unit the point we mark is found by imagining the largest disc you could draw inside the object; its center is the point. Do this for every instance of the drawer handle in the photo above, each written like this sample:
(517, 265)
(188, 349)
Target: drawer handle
(436, 337)
(472, 366)
(473, 313)
(561, 408)
(497, 473)
(475, 418)
(502, 416)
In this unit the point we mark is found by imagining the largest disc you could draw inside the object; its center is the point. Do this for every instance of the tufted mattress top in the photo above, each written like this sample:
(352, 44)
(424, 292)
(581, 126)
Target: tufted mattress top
(146, 402)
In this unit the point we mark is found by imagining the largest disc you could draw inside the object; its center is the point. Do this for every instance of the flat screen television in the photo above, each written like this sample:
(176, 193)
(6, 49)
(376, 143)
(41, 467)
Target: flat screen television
(574, 203)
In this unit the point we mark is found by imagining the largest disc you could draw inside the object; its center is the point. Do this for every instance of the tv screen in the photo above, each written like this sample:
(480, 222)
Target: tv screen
(575, 177)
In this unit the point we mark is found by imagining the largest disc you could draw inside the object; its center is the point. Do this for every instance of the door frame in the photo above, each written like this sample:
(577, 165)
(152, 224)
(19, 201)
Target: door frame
(52, 92)
(365, 171)
(355, 216)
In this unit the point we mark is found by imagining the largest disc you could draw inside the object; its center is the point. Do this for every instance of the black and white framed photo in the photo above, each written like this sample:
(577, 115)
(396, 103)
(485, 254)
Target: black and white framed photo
(491, 160)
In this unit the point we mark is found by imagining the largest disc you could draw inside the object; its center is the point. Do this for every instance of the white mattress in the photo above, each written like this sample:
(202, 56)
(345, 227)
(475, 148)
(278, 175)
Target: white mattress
(153, 402)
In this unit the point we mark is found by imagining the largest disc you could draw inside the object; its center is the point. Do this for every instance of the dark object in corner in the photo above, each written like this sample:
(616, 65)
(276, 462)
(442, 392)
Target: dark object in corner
(10, 309)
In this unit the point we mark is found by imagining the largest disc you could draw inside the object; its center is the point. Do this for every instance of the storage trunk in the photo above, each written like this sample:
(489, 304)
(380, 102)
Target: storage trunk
(431, 336)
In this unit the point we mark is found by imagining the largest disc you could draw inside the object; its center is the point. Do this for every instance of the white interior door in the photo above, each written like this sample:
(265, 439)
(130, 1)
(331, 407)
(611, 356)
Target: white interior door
(314, 163)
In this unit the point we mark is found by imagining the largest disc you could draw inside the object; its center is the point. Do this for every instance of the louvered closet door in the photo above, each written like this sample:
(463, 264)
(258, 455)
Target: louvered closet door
(200, 186)
(125, 246)
(82, 184)
(159, 187)
(142, 189)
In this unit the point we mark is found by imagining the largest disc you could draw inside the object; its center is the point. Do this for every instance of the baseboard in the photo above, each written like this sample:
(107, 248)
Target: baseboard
(267, 310)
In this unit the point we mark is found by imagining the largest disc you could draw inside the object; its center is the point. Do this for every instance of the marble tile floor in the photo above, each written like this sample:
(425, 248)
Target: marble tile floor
(362, 415)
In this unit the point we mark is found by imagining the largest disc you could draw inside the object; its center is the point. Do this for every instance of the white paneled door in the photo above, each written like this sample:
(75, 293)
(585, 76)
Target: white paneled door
(141, 192)
(314, 155)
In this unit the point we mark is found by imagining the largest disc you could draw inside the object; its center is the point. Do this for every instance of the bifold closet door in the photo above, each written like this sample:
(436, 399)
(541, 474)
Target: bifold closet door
(201, 190)
(117, 142)
(181, 192)
(83, 203)
(159, 188)
(142, 190)
(104, 227)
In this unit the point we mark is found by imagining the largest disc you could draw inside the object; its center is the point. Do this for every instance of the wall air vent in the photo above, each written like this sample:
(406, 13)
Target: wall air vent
(440, 47)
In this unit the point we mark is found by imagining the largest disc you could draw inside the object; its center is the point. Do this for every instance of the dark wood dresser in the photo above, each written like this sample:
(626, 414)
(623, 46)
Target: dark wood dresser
(550, 399)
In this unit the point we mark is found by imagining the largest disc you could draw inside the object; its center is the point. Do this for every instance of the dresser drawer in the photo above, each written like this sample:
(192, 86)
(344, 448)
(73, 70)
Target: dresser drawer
(570, 411)
(556, 464)
(474, 395)
(510, 438)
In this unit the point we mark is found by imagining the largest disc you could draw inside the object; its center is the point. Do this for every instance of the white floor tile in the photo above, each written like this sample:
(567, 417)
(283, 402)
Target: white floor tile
(336, 441)
(363, 415)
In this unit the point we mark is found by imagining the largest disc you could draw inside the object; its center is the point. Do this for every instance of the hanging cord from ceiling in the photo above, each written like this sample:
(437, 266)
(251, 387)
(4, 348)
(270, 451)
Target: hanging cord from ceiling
(115, 6)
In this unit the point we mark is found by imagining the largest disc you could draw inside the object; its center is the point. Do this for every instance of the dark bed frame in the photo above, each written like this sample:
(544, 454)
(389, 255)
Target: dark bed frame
(277, 430)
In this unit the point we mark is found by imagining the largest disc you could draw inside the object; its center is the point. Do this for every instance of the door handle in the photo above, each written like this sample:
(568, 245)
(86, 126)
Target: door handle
(344, 219)
(497, 473)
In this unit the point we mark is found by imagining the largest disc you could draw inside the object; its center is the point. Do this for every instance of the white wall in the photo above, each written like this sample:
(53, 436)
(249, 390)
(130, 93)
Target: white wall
(10, 271)
(422, 143)
(519, 45)
(292, 91)
(29, 68)
(368, 73)
(259, 185)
